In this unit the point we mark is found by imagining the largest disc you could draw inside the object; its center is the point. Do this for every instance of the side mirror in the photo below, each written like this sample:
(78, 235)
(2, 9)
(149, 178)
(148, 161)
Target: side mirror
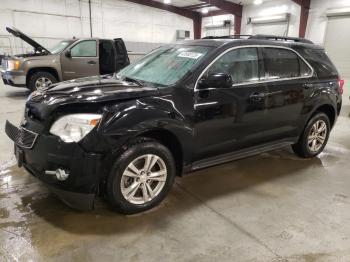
(218, 80)
(68, 54)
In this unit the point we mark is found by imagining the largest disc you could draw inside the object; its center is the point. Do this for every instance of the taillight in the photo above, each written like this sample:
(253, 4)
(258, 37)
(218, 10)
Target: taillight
(341, 85)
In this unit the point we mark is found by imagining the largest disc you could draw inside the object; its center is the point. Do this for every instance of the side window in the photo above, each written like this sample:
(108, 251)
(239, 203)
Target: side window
(84, 49)
(242, 64)
(305, 70)
(319, 61)
(283, 63)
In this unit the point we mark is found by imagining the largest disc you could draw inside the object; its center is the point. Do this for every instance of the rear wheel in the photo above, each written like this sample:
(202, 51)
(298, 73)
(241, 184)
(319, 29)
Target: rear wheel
(315, 136)
(141, 177)
(41, 79)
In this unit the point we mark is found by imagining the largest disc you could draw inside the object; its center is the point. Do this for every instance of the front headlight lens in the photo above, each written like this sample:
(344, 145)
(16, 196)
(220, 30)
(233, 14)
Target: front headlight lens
(13, 65)
(72, 128)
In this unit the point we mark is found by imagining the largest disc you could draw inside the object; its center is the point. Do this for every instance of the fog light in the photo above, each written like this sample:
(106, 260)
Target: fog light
(60, 174)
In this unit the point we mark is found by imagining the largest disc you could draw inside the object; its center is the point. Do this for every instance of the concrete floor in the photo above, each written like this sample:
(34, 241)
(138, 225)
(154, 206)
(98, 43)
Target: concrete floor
(272, 207)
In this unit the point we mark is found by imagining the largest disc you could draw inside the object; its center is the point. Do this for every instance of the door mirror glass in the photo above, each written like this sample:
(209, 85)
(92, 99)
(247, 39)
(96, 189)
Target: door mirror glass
(68, 54)
(219, 80)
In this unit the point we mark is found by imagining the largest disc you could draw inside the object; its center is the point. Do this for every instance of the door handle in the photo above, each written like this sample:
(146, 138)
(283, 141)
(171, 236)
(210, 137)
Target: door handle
(308, 85)
(257, 96)
(92, 63)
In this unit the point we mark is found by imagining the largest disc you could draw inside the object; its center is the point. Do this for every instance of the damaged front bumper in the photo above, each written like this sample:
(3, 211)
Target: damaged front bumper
(67, 170)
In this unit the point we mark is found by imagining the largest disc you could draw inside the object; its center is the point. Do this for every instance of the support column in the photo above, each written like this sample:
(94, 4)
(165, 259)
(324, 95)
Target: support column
(197, 26)
(238, 23)
(304, 15)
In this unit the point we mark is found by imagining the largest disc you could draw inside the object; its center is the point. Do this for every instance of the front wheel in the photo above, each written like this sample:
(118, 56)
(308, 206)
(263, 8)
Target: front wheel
(141, 177)
(315, 136)
(41, 79)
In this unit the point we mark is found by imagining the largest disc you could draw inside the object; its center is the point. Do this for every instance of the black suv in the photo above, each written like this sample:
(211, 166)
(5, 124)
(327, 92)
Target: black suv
(181, 108)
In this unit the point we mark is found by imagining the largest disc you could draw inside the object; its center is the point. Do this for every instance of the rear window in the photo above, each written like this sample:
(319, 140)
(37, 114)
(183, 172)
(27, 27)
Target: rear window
(283, 63)
(318, 59)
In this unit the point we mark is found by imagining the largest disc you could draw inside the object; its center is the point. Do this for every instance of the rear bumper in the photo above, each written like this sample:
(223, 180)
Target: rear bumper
(13, 78)
(49, 153)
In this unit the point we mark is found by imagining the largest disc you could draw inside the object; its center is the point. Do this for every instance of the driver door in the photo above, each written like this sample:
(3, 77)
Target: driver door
(231, 118)
(80, 60)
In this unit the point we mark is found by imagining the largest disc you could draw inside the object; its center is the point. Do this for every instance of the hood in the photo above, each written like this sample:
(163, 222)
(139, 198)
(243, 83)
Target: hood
(85, 90)
(27, 39)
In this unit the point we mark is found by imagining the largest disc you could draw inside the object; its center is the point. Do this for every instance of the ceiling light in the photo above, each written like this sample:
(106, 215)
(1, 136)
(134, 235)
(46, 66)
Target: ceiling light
(205, 10)
(167, 1)
(258, 2)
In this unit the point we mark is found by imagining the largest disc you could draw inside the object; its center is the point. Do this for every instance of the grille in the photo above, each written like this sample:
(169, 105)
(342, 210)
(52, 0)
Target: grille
(3, 63)
(21, 136)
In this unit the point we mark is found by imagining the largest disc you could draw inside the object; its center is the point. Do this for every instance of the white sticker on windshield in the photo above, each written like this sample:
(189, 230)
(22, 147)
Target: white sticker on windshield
(192, 55)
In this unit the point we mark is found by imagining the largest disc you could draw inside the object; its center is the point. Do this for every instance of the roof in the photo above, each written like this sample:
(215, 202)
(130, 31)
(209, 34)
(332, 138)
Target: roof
(216, 42)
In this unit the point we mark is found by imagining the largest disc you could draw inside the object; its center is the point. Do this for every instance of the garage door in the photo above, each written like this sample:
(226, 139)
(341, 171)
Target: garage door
(337, 43)
(279, 29)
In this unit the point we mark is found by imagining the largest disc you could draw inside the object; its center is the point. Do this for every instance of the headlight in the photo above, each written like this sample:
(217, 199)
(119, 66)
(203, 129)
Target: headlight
(72, 128)
(13, 65)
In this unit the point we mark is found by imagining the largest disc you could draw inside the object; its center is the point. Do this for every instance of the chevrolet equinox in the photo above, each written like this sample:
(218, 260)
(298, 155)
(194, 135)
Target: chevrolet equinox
(181, 108)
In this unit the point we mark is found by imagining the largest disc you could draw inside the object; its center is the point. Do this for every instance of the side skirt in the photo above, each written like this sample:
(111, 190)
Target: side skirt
(243, 153)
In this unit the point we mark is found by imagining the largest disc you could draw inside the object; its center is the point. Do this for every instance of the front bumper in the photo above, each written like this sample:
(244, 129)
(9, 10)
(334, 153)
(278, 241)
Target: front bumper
(13, 78)
(49, 153)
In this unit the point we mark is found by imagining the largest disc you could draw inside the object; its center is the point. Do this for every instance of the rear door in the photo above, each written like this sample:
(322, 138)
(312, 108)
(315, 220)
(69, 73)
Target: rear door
(288, 83)
(83, 60)
(121, 54)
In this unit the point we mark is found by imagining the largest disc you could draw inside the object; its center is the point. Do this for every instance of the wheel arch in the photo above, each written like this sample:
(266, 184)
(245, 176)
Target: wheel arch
(328, 110)
(33, 70)
(171, 141)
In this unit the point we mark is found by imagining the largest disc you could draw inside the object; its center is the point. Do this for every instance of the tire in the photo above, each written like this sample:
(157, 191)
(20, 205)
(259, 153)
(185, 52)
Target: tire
(119, 183)
(307, 150)
(38, 76)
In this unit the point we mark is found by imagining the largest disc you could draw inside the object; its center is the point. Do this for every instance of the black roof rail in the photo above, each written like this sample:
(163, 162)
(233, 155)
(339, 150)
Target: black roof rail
(283, 38)
(228, 37)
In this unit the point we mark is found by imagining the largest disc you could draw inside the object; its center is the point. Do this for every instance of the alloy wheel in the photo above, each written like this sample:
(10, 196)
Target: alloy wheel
(143, 179)
(317, 135)
(42, 82)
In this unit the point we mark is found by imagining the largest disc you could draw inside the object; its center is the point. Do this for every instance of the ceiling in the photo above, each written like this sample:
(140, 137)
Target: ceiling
(183, 3)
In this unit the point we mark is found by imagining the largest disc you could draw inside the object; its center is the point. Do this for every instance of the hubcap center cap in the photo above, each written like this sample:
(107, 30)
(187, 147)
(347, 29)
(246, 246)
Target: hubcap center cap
(143, 177)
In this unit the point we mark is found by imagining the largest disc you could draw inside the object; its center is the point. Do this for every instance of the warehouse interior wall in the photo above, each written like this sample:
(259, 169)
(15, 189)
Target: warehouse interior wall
(271, 8)
(214, 25)
(317, 23)
(48, 21)
(143, 28)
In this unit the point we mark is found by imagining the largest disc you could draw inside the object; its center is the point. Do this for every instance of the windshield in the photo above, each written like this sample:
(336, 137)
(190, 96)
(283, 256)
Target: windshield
(166, 65)
(59, 47)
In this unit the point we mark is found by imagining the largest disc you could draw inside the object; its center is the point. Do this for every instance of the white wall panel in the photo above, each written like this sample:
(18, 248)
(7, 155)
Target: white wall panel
(272, 8)
(30, 23)
(270, 29)
(337, 43)
(219, 19)
(5, 19)
(317, 23)
(48, 21)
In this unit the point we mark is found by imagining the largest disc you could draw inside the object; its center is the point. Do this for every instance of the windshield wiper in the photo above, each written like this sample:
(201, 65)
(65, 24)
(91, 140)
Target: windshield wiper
(129, 79)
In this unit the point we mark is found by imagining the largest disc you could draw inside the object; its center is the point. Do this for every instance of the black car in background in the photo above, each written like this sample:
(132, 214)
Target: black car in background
(181, 108)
